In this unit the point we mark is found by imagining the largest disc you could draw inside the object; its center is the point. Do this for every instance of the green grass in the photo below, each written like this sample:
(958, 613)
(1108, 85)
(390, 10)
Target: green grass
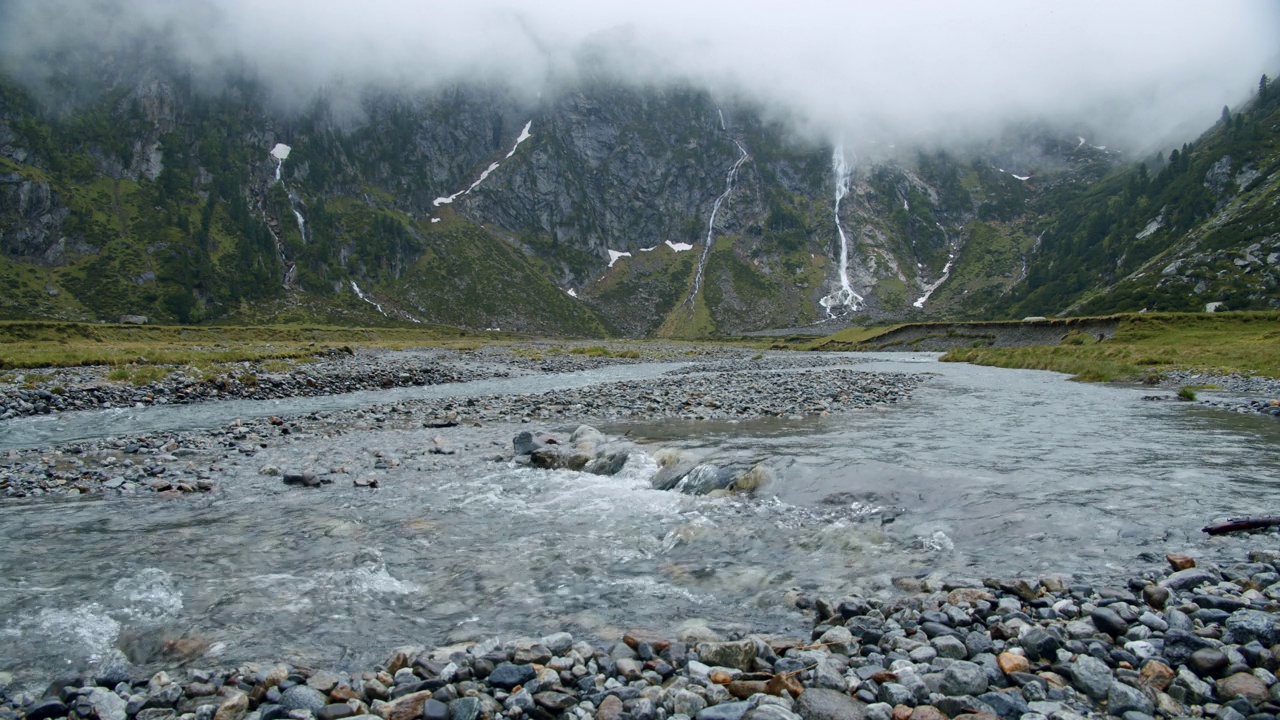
(1244, 342)
(67, 344)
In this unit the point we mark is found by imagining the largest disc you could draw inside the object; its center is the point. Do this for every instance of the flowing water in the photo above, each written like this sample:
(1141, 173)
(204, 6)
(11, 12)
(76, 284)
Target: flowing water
(984, 472)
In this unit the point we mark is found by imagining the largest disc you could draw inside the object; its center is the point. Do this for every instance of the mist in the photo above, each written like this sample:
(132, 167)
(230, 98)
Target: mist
(1139, 74)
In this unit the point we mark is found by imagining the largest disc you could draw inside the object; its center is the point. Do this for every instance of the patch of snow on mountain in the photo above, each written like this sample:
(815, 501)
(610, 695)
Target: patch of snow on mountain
(280, 151)
(1023, 178)
(679, 247)
(614, 255)
(524, 135)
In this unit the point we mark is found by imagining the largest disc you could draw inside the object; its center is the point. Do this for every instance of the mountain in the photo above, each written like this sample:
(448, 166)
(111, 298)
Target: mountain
(133, 187)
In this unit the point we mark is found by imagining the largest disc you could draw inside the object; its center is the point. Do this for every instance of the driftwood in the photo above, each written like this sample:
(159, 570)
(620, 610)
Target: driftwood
(1241, 525)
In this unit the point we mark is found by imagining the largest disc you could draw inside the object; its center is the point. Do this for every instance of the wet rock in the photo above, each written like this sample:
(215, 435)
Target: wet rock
(407, 707)
(106, 704)
(235, 707)
(610, 709)
(1091, 676)
(1109, 621)
(301, 697)
(335, 711)
(1243, 685)
(1157, 675)
(1207, 662)
(508, 675)
(1246, 626)
(433, 709)
(963, 678)
(50, 707)
(305, 479)
(1122, 698)
(1188, 579)
(739, 654)
(1010, 663)
(725, 711)
(823, 704)
(465, 708)
(1180, 562)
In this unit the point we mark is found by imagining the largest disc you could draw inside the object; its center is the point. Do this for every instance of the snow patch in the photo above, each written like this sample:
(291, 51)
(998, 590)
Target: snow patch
(1023, 178)
(614, 256)
(1155, 224)
(1082, 142)
(361, 295)
(649, 249)
(524, 135)
(572, 292)
(928, 289)
(678, 247)
(435, 220)
(280, 151)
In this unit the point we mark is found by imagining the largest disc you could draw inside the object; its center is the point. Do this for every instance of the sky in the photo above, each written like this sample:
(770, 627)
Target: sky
(1137, 71)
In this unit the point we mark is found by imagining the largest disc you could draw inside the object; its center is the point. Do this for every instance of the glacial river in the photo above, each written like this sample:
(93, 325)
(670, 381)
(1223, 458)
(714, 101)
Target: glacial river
(984, 472)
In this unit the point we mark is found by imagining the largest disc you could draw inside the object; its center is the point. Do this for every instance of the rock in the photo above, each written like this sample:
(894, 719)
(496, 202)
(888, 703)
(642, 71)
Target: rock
(556, 702)
(1008, 705)
(525, 443)
(301, 697)
(1010, 663)
(433, 709)
(235, 707)
(1122, 698)
(305, 479)
(770, 712)
(114, 669)
(335, 711)
(895, 694)
(1091, 676)
(1156, 674)
(824, 704)
(1246, 626)
(963, 678)
(738, 654)
(838, 640)
(927, 712)
(50, 707)
(465, 708)
(1207, 662)
(1243, 685)
(1109, 621)
(323, 681)
(726, 711)
(269, 470)
(1039, 644)
(610, 708)
(950, 647)
(1180, 562)
(630, 668)
(406, 707)
(508, 675)
(530, 651)
(1188, 579)
(684, 702)
(558, 643)
(106, 704)
(1155, 596)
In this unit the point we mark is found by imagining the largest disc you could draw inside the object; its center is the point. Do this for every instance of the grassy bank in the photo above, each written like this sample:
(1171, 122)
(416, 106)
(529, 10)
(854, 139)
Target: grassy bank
(1145, 345)
(65, 344)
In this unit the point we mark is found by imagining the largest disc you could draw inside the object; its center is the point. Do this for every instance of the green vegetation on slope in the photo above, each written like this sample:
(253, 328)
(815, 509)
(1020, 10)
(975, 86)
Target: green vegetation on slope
(1146, 344)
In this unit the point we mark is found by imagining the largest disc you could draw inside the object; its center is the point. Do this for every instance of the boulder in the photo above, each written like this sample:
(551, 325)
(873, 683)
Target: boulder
(823, 704)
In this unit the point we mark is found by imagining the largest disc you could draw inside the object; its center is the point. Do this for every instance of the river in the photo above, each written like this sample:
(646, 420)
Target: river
(983, 472)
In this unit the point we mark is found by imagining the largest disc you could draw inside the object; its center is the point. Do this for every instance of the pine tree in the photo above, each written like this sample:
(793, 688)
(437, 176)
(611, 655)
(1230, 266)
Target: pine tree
(1226, 116)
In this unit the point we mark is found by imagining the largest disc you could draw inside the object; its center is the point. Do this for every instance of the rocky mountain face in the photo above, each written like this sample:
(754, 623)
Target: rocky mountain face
(596, 209)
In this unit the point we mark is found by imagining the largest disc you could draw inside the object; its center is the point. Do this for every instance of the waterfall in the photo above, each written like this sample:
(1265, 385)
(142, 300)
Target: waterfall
(845, 296)
(730, 179)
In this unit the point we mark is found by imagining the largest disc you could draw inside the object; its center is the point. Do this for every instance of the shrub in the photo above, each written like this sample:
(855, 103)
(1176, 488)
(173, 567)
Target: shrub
(1186, 393)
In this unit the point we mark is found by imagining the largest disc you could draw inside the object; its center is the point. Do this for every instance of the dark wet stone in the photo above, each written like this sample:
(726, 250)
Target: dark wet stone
(508, 675)
(730, 710)
(1109, 621)
(335, 711)
(50, 707)
(824, 704)
(301, 697)
(433, 709)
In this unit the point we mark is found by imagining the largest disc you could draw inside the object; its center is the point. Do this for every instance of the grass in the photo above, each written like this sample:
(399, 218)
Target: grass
(602, 351)
(68, 344)
(848, 338)
(1148, 344)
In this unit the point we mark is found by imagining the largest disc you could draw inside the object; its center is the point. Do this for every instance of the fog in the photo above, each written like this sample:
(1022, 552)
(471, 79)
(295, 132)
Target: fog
(1137, 73)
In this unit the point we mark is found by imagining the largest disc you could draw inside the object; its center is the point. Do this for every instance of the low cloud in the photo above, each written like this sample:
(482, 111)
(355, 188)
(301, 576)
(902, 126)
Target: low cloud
(1141, 73)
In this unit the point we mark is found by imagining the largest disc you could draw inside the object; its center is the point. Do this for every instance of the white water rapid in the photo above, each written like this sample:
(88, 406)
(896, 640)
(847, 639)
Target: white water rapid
(729, 181)
(844, 297)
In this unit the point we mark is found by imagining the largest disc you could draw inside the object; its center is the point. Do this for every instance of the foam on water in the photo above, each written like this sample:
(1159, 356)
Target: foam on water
(148, 596)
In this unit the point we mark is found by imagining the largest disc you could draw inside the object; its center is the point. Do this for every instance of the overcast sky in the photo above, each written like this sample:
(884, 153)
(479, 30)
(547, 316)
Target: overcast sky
(901, 69)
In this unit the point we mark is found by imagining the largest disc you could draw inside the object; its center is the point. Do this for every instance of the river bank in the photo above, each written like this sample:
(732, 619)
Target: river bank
(1187, 641)
(889, 479)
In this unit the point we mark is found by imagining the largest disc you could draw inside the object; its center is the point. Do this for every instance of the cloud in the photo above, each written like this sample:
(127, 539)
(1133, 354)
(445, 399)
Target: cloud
(908, 70)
